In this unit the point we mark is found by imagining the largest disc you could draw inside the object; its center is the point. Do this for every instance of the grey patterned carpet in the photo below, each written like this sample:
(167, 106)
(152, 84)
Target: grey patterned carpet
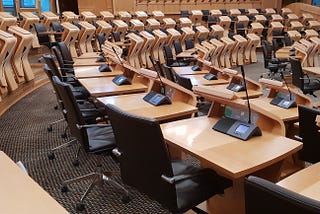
(24, 137)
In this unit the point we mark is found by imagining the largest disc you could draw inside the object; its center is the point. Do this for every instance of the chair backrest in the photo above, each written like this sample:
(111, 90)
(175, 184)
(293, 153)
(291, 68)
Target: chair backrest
(116, 36)
(177, 47)
(184, 82)
(65, 53)
(264, 197)
(168, 73)
(57, 27)
(144, 155)
(59, 58)
(158, 67)
(184, 13)
(297, 73)
(101, 38)
(309, 132)
(189, 43)
(267, 52)
(49, 73)
(73, 113)
(168, 55)
(50, 61)
(287, 40)
(43, 38)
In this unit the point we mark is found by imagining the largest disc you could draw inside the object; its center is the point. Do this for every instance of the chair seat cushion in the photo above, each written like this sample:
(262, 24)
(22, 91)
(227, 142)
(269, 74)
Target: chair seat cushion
(199, 188)
(100, 139)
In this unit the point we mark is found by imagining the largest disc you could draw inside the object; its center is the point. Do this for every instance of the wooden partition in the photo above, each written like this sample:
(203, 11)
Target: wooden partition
(301, 8)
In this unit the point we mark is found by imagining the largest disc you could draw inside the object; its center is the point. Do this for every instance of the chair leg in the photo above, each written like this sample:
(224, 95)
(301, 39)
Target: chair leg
(49, 128)
(97, 178)
(51, 153)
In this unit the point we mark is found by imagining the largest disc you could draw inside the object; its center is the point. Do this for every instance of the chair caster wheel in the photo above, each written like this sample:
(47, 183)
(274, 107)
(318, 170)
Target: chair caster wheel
(51, 156)
(80, 207)
(49, 129)
(125, 199)
(75, 163)
(64, 135)
(64, 189)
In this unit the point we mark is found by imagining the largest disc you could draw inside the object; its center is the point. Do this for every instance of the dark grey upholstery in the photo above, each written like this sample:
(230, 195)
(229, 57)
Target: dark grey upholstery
(170, 61)
(309, 134)
(146, 165)
(43, 38)
(264, 197)
(94, 138)
(302, 80)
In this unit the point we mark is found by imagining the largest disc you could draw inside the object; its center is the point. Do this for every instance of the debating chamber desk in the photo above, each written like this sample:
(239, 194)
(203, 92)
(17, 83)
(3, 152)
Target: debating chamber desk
(230, 156)
(183, 101)
(21, 194)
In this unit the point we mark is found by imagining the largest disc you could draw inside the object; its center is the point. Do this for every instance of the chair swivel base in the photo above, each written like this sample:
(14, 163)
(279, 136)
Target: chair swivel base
(97, 178)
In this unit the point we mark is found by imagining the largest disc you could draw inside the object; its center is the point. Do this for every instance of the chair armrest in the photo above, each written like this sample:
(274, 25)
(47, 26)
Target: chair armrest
(92, 125)
(116, 152)
(178, 178)
(297, 137)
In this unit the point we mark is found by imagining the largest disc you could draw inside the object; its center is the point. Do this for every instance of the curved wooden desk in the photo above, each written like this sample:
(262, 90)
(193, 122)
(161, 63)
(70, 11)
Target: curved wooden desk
(229, 156)
(21, 194)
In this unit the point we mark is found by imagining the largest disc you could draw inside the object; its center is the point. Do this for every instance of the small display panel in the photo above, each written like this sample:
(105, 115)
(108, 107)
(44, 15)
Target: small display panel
(241, 129)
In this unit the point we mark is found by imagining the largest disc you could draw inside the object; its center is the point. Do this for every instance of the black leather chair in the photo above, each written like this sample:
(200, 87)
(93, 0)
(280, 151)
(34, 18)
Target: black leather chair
(212, 20)
(146, 165)
(89, 111)
(168, 73)
(65, 53)
(184, 13)
(42, 35)
(302, 80)
(309, 134)
(184, 81)
(264, 197)
(57, 27)
(271, 63)
(95, 139)
(189, 44)
(170, 60)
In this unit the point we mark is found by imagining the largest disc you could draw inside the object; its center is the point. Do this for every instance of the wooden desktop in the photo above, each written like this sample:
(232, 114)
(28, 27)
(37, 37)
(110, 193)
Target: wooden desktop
(304, 182)
(183, 101)
(21, 194)
(229, 156)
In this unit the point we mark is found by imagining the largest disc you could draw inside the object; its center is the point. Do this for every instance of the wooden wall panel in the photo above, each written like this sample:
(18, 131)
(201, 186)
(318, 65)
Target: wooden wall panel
(95, 6)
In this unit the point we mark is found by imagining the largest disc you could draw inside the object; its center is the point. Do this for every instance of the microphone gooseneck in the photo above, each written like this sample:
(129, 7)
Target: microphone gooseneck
(245, 88)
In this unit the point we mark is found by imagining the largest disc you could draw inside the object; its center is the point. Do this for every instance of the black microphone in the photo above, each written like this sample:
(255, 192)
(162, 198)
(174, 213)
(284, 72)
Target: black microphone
(120, 79)
(114, 50)
(238, 128)
(281, 100)
(245, 88)
(155, 98)
(162, 90)
(285, 82)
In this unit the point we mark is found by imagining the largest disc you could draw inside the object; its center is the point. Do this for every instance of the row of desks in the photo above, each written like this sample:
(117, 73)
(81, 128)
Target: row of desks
(229, 156)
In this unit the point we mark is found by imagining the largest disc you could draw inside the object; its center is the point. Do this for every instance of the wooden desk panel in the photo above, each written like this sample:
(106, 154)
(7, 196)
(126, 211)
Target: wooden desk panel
(93, 71)
(21, 194)
(305, 182)
(285, 115)
(134, 104)
(103, 86)
(227, 155)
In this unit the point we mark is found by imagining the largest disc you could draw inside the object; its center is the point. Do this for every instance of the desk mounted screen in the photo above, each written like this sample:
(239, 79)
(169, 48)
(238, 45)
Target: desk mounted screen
(235, 87)
(105, 68)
